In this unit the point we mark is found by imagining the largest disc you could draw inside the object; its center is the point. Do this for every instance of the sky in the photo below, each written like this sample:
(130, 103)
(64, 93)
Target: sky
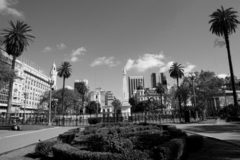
(101, 37)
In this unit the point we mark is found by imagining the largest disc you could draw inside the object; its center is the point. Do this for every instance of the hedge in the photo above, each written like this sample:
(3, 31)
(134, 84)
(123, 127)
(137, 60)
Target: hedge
(65, 151)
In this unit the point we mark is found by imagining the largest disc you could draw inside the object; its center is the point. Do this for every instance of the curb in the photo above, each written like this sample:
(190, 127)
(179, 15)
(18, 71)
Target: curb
(221, 140)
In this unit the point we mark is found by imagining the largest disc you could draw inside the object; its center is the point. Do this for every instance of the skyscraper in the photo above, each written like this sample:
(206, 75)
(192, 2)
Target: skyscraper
(153, 80)
(133, 83)
(163, 79)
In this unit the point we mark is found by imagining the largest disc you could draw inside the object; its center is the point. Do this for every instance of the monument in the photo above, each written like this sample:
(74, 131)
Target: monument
(126, 107)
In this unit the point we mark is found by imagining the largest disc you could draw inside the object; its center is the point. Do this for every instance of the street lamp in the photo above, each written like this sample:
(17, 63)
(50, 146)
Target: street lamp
(50, 82)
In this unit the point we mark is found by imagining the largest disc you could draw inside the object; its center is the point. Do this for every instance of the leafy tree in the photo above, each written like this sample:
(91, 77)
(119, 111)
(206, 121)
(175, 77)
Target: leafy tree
(71, 100)
(207, 85)
(6, 73)
(171, 98)
(82, 90)
(64, 71)
(93, 107)
(224, 23)
(116, 103)
(177, 72)
(15, 41)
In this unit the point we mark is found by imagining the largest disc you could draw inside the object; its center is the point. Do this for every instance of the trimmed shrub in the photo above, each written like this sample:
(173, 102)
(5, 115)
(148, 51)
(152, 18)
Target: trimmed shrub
(176, 133)
(172, 150)
(44, 148)
(65, 151)
(94, 120)
(194, 143)
(67, 137)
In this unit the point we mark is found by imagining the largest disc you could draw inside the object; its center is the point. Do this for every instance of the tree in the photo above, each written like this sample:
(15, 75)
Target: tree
(132, 102)
(15, 41)
(64, 71)
(207, 85)
(82, 90)
(223, 23)
(93, 107)
(184, 92)
(6, 73)
(160, 90)
(116, 104)
(177, 71)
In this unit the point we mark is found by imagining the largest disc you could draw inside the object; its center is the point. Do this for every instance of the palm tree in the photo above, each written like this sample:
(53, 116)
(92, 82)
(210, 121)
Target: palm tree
(223, 23)
(64, 71)
(82, 90)
(15, 41)
(160, 90)
(177, 71)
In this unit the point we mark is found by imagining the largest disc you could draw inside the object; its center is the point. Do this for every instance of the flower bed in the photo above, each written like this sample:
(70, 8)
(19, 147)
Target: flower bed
(125, 141)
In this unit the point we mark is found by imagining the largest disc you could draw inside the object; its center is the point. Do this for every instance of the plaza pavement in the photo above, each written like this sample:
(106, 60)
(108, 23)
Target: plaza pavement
(11, 140)
(226, 131)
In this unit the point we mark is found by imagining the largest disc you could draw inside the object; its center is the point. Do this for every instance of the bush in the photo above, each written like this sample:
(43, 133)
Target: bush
(44, 148)
(194, 143)
(172, 150)
(65, 151)
(67, 137)
(176, 133)
(94, 120)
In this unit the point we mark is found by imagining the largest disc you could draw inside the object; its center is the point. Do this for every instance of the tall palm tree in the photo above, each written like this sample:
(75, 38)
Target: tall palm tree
(223, 23)
(64, 71)
(177, 72)
(82, 89)
(15, 41)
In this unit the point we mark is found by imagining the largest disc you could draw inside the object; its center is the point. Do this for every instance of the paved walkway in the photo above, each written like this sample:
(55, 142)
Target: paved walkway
(11, 140)
(224, 131)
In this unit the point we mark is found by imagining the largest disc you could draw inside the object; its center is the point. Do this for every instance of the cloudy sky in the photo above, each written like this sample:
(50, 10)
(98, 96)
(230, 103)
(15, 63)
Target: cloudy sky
(100, 37)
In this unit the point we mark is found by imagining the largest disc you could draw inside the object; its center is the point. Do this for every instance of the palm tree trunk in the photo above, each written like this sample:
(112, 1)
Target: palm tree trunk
(11, 88)
(179, 99)
(63, 95)
(231, 68)
(83, 103)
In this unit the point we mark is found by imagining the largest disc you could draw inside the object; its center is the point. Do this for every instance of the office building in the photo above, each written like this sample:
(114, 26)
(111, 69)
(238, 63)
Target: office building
(163, 79)
(153, 80)
(133, 83)
(109, 98)
(27, 89)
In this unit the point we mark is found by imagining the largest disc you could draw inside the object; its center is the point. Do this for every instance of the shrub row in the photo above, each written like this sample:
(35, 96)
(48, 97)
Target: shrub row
(67, 137)
(65, 151)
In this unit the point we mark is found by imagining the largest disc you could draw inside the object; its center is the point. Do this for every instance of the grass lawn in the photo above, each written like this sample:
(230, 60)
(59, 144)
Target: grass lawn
(212, 150)
(34, 127)
(216, 150)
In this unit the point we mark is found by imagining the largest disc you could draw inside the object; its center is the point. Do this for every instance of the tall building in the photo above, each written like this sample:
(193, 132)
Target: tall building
(163, 79)
(153, 80)
(27, 89)
(133, 83)
(125, 96)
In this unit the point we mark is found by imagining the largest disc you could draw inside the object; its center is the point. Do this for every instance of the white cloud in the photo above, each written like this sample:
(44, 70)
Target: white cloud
(47, 49)
(61, 46)
(166, 67)
(104, 61)
(5, 8)
(76, 53)
(69, 87)
(188, 67)
(223, 75)
(145, 62)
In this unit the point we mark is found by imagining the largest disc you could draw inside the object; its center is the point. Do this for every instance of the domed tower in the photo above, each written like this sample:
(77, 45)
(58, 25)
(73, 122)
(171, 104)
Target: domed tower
(53, 75)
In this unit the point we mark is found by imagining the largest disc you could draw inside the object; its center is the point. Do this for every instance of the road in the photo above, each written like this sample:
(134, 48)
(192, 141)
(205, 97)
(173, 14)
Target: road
(229, 132)
(10, 140)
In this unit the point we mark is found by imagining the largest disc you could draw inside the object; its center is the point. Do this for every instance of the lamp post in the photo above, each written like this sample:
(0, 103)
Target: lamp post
(50, 82)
